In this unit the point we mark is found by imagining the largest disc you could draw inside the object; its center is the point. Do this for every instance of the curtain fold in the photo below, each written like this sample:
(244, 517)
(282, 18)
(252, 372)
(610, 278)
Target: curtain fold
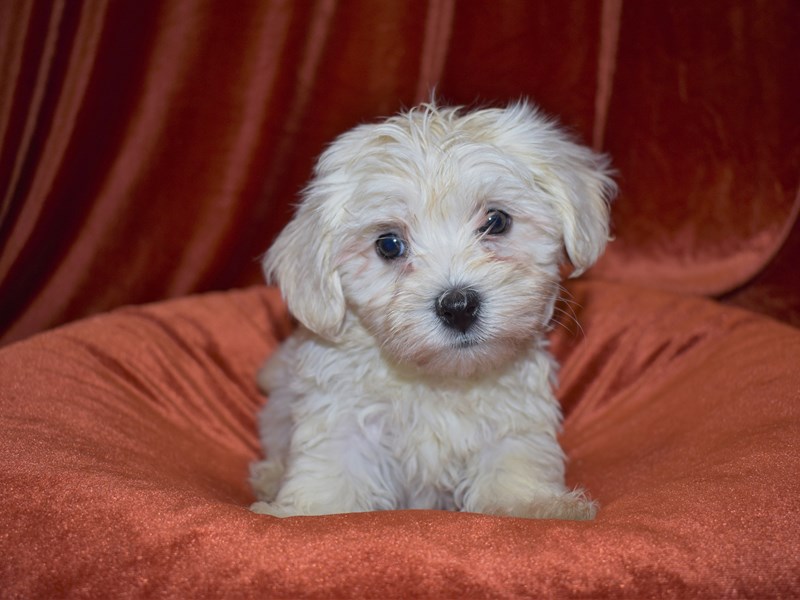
(154, 149)
(703, 129)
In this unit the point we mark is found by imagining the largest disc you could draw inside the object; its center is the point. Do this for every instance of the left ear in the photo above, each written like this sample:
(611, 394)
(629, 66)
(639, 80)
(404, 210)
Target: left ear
(581, 186)
(576, 178)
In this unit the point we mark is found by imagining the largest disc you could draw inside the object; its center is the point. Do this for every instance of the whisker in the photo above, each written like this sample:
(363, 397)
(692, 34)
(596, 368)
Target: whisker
(570, 324)
(566, 306)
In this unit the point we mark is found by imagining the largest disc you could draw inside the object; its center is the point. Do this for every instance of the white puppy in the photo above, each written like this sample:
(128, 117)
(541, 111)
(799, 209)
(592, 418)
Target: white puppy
(423, 267)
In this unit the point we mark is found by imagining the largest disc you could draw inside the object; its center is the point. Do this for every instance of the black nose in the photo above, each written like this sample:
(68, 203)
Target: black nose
(458, 308)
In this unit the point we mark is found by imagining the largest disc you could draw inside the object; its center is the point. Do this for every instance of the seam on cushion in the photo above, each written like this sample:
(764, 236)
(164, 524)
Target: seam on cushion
(610, 19)
(438, 27)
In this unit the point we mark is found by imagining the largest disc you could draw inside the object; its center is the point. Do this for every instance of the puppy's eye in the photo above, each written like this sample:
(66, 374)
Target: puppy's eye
(390, 246)
(497, 222)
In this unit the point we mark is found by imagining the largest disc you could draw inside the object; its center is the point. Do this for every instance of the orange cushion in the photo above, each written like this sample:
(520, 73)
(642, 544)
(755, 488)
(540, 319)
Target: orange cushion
(126, 439)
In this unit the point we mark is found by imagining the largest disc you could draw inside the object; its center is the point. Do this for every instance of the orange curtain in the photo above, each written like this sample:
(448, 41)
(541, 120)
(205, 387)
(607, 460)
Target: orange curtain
(153, 149)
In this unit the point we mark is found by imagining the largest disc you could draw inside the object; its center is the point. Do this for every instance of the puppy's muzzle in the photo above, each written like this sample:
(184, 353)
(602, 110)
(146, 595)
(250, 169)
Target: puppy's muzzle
(458, 308)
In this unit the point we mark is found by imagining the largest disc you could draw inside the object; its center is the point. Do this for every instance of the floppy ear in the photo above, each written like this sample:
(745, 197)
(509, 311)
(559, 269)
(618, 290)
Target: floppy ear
(582, 189)
(577, 179)
(301, 262)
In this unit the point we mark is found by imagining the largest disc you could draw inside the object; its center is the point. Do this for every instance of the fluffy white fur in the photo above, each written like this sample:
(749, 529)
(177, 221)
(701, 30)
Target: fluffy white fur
(374, 402)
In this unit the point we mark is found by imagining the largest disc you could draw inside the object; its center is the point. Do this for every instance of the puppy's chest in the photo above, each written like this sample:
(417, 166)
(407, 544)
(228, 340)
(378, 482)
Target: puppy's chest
(428, 433)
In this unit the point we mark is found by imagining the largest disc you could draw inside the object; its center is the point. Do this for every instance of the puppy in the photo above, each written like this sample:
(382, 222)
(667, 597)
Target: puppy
(423, 267)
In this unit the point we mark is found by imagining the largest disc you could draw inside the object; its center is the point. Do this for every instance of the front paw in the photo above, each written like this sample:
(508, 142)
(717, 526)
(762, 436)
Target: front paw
(574, 506)
(270, 508)
(266, 477)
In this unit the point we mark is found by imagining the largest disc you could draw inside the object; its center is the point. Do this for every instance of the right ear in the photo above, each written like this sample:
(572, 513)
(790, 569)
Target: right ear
(300, 261)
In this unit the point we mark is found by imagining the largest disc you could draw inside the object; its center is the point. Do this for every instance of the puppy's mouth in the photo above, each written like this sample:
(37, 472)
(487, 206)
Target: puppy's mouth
(465, 342)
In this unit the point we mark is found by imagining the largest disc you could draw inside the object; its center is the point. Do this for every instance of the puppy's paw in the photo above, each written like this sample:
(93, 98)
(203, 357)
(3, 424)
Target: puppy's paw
(574, 506)
(270, 508)
(266, 477)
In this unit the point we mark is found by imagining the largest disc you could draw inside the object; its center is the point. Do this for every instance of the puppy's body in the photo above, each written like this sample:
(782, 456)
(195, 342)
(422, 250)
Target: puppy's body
(372, 437)
(423, 266)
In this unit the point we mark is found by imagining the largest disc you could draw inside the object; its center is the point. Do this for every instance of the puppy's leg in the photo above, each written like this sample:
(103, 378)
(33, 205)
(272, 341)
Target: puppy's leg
(333, 468)
(266, 477)
(524, 478)
(275, 426)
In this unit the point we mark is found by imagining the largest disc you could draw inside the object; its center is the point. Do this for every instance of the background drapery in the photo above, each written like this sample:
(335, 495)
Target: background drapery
(153, 149)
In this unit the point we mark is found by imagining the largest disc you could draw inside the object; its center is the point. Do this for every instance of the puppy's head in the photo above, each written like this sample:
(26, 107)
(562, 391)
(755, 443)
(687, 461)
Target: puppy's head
(441, 234)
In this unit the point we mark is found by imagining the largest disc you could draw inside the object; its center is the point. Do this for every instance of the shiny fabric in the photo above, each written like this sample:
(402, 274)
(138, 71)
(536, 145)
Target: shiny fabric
(126, 439)
(153, 149)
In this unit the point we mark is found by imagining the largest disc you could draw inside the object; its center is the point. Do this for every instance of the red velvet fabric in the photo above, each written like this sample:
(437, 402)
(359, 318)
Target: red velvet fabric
(150, 150)
(127, 438)
(153, 149)
(705, 140)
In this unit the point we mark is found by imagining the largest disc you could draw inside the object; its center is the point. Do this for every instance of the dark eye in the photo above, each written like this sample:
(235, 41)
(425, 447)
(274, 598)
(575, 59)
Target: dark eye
(390, 246)
(497, 222)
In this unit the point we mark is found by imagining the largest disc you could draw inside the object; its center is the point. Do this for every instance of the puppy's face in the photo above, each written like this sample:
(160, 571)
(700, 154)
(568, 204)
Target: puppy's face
(442, 233)
(448, 259)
